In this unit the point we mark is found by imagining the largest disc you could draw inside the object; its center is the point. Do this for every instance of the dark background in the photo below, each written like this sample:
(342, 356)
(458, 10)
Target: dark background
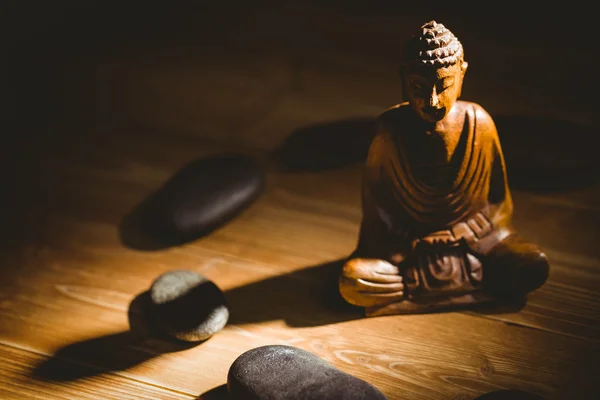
(58, 55)
(252, 72)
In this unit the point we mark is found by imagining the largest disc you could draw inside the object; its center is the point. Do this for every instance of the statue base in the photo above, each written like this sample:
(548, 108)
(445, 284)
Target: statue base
(431, 304)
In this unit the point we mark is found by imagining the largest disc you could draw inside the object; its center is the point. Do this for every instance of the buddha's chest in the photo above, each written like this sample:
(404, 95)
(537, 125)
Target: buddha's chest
(433, 159)
(440, 177)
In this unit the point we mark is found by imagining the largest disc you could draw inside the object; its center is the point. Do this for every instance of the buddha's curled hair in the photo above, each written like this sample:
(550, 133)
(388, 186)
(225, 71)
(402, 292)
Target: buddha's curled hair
(433, 45)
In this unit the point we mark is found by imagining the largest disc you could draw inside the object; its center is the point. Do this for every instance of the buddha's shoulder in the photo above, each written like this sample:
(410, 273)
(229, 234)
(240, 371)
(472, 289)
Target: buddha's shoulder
(395, 119)
(483, 123)
(394, 115)
(400, 112)
(475, 111)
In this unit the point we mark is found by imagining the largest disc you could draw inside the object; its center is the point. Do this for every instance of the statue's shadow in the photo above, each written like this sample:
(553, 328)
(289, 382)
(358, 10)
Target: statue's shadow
(306, 297)
(311, 297)
(326, 146)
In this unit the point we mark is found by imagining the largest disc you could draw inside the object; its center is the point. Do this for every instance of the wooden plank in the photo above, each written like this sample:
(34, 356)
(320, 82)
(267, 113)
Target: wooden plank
(76, 308)
(16, 384)
(74, 267)
(558, 226)
(569, 303)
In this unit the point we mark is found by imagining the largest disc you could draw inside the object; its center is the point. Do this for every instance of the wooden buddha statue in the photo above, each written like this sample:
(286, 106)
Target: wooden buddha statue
(436, 228)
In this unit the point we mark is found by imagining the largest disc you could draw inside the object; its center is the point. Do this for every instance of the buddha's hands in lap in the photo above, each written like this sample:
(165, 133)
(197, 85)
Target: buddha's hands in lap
(369, 282)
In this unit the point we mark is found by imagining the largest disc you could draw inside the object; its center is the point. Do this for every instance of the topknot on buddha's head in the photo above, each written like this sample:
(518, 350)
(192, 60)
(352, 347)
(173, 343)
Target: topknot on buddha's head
(433, 45)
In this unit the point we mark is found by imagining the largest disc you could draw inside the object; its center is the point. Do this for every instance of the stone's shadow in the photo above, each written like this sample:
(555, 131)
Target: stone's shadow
(542, 154)
(326, 146)
(547, 155)
(114, 352)
(307, 297)
(199, 198)
(507, 394)
(139, 230)
(217, 393)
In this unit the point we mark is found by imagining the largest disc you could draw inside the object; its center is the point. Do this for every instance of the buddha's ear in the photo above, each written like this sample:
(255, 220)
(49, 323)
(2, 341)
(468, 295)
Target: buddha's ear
(463, 68)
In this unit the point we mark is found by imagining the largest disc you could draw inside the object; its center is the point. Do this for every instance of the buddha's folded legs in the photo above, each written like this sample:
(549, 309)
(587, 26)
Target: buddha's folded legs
(437, 277)
(513, 268)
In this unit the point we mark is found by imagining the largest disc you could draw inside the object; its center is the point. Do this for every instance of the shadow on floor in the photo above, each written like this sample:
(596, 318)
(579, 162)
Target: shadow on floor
(326, 146)
(307, 297)
(542, 154)
(114, 352)
(199, 198)
(310, 297)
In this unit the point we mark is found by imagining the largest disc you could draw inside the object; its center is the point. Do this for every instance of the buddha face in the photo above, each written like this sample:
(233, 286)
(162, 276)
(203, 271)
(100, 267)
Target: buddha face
(432, 91)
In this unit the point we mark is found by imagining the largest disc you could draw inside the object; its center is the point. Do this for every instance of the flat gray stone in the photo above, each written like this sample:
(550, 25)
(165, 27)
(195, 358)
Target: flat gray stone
(187, 306)
(284, 372)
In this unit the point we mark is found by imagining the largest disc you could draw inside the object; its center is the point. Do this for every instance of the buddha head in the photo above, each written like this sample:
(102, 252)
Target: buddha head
(432, 70)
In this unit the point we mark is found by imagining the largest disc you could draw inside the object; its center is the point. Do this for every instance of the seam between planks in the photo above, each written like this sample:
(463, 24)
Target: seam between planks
(522, 325)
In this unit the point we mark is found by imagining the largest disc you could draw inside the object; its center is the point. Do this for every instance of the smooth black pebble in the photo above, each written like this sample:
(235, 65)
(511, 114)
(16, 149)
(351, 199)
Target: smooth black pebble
(285, 372)
(187, 306)
(205, 194)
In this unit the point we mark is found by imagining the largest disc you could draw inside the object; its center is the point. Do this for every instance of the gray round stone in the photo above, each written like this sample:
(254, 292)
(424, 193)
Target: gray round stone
(188, 306)
(285, 372)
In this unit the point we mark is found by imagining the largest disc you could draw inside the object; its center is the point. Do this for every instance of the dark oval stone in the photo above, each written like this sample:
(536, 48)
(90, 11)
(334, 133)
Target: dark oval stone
(187, 306)
(286, 372)
(203, 195)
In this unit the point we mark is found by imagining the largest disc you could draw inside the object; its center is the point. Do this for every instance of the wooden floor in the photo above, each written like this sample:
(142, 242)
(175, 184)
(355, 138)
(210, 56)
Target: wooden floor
(102, 134)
